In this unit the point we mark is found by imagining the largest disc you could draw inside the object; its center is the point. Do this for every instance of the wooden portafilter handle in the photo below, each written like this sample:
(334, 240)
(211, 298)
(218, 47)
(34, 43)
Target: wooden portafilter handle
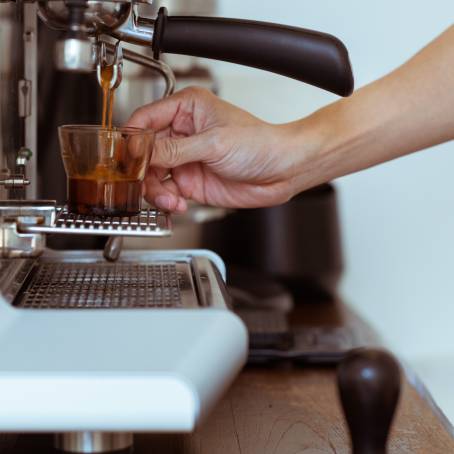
(369, 386)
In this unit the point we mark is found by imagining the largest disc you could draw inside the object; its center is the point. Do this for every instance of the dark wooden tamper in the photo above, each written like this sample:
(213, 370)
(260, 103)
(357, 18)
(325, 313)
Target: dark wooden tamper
(369, 387)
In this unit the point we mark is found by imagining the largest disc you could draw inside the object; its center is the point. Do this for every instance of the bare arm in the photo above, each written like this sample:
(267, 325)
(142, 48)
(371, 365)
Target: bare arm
(410, 109)
(221, 155)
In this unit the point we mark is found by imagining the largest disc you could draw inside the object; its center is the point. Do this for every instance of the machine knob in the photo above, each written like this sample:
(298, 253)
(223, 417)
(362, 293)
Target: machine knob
(369, 387)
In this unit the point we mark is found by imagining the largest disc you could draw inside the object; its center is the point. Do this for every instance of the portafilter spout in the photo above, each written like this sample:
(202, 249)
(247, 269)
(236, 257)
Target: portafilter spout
(158, 66)
(80, 21)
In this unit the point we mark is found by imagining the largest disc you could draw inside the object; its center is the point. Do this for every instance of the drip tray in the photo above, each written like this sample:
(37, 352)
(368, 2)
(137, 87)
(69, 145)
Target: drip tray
(148, 223)
(63, 285)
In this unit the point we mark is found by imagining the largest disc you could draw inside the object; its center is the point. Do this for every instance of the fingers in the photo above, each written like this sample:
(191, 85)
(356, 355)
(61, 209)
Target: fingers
(165, 195)
(156, 115)
(170, 203)
(172, 152)
(178, 108)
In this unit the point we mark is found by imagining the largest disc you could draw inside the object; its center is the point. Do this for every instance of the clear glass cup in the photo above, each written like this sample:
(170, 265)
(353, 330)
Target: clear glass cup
(105, 168)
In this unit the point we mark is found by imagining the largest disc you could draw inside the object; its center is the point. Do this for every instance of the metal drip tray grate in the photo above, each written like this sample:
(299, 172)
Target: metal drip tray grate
(57, 285)
(150, 222)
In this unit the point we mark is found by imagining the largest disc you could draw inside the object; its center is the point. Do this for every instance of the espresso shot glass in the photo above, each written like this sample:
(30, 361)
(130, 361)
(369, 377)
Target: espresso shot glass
(105, 168)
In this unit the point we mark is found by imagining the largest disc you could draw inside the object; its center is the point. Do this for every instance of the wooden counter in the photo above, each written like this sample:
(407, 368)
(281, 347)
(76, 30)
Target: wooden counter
(287, 410)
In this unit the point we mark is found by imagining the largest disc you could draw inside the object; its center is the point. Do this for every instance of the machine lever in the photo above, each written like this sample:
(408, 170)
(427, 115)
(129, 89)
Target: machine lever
(369, 388)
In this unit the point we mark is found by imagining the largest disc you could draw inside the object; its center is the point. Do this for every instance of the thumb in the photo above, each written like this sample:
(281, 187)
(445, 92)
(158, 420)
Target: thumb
(172, 152)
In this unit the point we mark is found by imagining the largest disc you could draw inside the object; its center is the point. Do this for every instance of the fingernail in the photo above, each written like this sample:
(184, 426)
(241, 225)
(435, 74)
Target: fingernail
(182, 206)
(164, 202)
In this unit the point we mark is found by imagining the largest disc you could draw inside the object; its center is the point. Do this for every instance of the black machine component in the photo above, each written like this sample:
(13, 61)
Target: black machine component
(297, 244)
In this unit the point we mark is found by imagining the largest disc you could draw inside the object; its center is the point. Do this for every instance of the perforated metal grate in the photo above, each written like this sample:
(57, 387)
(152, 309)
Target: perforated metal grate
(103, 285)
(148, 223)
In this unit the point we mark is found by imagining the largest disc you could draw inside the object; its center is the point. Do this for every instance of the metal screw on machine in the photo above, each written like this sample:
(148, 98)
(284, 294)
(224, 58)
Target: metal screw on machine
(369, 387)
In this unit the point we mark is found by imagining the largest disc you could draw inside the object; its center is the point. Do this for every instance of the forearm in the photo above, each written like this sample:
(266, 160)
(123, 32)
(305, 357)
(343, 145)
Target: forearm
(410, 109)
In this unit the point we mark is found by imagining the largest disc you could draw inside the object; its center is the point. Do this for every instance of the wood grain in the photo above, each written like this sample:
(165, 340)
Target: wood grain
(286, 410)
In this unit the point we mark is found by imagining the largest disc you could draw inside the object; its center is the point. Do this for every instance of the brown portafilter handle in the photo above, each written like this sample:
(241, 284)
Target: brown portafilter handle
(309, 56)
(369, 387)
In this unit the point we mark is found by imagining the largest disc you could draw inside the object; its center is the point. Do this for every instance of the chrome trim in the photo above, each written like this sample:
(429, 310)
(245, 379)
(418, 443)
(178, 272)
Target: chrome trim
(28, 211)
(75, 55)
(156, 65)
(210, 287)
(136, 29)
(30, 37)
(12, 277)
(148, 223)
(14, 181)
(93, 442)
(100, 15)
(14, 244)
(112, 248)
(200, 282)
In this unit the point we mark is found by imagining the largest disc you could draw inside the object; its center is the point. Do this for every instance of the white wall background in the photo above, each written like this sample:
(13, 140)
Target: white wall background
(398, 218)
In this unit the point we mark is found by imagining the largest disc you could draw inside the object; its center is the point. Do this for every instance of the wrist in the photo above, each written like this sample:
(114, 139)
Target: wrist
(320, 145)
(307, 142)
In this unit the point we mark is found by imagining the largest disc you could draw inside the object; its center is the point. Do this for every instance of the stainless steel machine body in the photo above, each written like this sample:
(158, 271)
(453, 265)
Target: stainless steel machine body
(18, 101)
(18, 135)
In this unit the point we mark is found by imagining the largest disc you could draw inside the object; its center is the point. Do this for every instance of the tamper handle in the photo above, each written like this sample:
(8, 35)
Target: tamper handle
(369, 387)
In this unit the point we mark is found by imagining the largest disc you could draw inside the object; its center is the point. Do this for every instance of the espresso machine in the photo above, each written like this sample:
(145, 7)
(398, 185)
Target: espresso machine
(98, 345)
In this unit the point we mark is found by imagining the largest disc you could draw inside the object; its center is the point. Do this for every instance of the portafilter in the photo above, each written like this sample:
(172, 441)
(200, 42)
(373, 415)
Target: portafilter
(310, 56)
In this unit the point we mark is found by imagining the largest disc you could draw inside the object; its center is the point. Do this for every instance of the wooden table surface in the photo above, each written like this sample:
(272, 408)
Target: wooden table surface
(286, 410)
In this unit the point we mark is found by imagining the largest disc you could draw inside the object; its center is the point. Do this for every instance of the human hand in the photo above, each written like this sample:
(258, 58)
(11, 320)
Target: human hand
(214, 153)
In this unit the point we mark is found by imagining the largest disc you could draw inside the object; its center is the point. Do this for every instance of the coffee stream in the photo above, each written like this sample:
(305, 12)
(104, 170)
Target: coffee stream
(108, 96)
(105, 191)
